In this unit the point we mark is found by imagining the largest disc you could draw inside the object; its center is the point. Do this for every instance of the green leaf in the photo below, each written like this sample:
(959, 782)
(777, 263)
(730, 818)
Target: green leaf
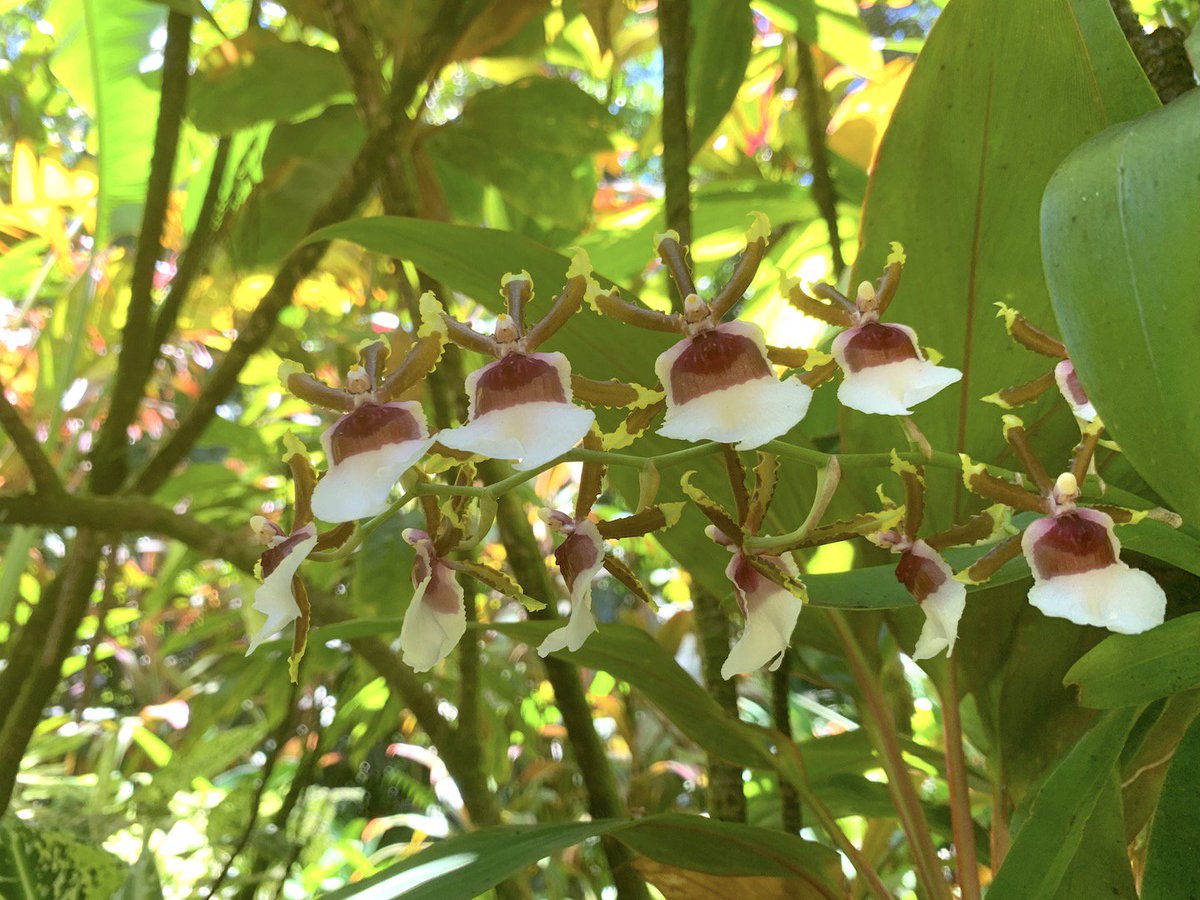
(467, 865)
(257, 77)
(36, 863)
(634, 656)
(833, 25)
(959, 181)
(1170, 872)
(534, 140)
(100, 45)
(721, 44)
(1046, 845)
(302, 165)
(1123, 285)
(1101, 866)
(1130, 669)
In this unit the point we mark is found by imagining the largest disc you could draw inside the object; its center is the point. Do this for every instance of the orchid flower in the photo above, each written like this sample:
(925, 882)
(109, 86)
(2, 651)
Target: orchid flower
(766, 579)
(1072, 551)
(282, 597)
(436, 619)
(582, 554)
(923, 571)
(1029, 336)
(884, 370)
(377, 439)
(718, 380)
(521, 407)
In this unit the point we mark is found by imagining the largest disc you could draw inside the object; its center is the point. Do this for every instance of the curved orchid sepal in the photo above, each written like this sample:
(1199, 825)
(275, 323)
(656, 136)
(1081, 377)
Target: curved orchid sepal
(635, 424)
(718, 380)
(500, 582)
(639, 524)
(987, 527)
(884, 370)
(612, 393)
(724, 521)
(1063, 374)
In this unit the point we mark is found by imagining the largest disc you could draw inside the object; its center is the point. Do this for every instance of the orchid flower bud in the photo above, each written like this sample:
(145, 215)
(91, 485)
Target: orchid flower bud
(720, 387)
(930, 581)
(580, 558)
(521, 409)
(279, 563)
(1078, 573)
(884, 371)
(368, 450)
(771, 611)
(436, 618)
(1072, 390)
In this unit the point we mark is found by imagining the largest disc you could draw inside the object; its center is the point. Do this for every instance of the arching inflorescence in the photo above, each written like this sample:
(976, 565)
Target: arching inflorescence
(720, 389)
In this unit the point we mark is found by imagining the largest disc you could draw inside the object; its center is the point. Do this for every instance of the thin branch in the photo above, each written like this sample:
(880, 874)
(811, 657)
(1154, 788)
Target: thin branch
(789, 798)
(1161, 53)
(41, 470)
(962, 825)
(674, 31)
(138, 352)
(815, 123)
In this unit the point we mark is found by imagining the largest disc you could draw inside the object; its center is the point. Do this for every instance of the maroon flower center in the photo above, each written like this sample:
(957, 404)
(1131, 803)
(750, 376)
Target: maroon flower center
(516, 379)
(714, 360)
(575, 556)
(273, 556)
(919, 575)
(370, 427)
(875, 344)
(1072, 544)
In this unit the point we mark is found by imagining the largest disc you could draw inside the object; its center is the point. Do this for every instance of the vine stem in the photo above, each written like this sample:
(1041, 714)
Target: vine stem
(962, 825)
(881, 727)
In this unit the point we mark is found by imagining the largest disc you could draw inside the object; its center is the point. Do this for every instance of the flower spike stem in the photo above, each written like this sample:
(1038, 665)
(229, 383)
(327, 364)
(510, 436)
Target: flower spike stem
(828, 478)
(881, 728)
(961, 824)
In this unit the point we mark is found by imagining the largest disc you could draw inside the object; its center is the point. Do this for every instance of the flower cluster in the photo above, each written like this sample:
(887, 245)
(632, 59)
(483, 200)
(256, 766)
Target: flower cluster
(719, 386)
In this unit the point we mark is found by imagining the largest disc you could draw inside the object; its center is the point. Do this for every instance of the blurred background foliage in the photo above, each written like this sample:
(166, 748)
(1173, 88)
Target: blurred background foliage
(168, 764)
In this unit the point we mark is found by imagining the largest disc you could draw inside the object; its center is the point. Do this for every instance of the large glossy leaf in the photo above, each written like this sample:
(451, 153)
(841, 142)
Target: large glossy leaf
(533, 140)
(1123, 282)
(999, 96)
(100, 46)
(1051, 835)
(259, 78)
(1101, 866)
(723, 36)
(468, 864)
(1175, 836)
(1126, 670)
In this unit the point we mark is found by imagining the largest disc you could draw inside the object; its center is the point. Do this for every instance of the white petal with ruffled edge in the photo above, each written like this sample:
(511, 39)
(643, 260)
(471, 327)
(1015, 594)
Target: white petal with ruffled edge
(433, 626)
(358, 486)
(943, 609)
(773, 611)
(1116, 597)
(274, 596)
(530, 433)
(892, 389)
(748, 414)
(582, 623)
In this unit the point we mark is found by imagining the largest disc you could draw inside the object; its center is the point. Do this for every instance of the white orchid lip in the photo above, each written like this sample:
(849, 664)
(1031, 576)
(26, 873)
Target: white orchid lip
(436, 617)
(771, 612)
(368, 450)
(521, 409)
(1078, 574)
(1072, 390)
(930, 581)
(580, 558)
(884, 371)
(720, 387)
(274, 597)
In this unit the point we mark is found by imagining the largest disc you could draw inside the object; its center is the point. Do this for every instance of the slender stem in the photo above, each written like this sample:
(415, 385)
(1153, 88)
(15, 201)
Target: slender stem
(962, 825)
(41, 470)
(881, 727)
(815, 121)
(604, 798)
(781, 713)
(674, 31)
(109, 457)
